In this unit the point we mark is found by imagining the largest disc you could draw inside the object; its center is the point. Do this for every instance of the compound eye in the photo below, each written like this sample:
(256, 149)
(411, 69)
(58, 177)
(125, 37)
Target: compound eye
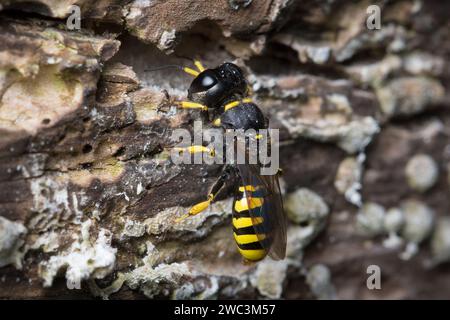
(208, 82)
(203, 82)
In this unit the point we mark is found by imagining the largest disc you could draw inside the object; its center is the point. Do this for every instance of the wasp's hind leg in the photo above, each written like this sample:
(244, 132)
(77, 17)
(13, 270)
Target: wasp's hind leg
(202, 206)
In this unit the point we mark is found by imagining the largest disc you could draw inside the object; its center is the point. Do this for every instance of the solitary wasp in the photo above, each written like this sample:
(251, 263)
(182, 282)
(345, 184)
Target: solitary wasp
(259, 223)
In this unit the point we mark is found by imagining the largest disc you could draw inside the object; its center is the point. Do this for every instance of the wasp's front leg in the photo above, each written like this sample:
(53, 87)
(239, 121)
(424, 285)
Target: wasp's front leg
(184, 104)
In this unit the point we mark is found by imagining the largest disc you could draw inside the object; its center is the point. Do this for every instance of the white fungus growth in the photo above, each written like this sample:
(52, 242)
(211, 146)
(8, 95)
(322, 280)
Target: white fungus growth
(11, 234)
(83, 259)
(421, 172)
(47, 242)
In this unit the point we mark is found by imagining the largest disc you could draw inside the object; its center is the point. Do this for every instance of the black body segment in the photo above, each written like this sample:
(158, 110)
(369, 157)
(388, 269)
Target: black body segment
(244, 116)
(213, 87)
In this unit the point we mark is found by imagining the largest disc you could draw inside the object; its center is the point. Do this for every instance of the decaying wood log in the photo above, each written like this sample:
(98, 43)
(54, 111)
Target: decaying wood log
(88, 191)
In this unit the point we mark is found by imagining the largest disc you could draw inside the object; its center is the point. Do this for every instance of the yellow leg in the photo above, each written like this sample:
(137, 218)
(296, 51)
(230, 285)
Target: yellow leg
(235, 103)
(201, 206)
(197, 149)
(191, 105)
(196, 209)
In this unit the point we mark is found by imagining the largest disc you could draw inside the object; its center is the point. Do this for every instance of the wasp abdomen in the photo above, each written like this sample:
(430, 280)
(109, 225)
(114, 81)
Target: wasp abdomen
(249, 242)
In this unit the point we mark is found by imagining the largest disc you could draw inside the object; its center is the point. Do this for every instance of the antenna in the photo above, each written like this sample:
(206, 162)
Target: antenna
(188, 70)
(165, 67)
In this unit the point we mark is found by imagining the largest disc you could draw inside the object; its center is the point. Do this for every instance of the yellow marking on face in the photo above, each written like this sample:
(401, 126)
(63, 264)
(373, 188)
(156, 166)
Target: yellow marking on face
(253, 255)
(217, 122)
(247, 188)
(259, 136)
(247, 100)
(193, 105)
(199, 66)
(190, 71)
(248, 238)
(243, 204)
(244, 222)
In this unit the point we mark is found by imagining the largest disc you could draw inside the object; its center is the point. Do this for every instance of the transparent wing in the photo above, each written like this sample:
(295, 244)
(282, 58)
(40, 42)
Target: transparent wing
(274, 226)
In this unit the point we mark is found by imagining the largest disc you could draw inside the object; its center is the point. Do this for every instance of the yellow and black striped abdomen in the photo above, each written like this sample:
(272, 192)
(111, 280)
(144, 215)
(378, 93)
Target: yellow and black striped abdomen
(249, 243)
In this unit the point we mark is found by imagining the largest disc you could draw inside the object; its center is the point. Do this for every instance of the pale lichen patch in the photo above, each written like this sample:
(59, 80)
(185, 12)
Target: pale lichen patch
(393, 222)
(25, 104)
(421, 172)
(51, 202)
(159, 224)
(370, 219)
(310, 211)
(319, 281)
(133, 229)
(419, 221)
(352, 136)
(440, 241)
(268, 278)
(348, 178)
(303, 205)
(409, 95)
(152, 281)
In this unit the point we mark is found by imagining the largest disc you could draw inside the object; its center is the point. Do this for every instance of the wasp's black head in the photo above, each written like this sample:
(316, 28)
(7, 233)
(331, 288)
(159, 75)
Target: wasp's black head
(213, 86)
